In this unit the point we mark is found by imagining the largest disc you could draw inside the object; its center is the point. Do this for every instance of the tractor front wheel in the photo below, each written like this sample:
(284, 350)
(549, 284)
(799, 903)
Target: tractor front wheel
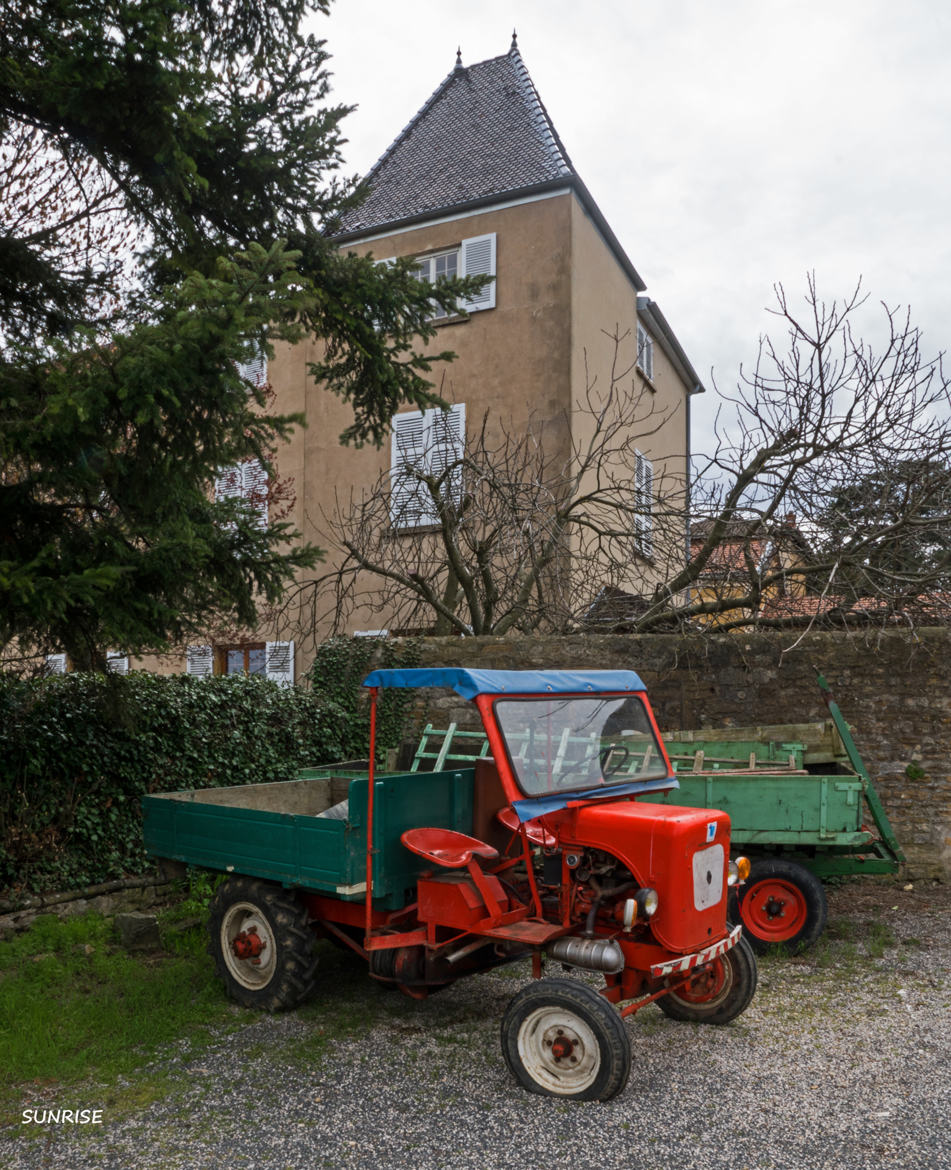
(783, 904)
(261, 944)
(561, 1039)
(717, 992)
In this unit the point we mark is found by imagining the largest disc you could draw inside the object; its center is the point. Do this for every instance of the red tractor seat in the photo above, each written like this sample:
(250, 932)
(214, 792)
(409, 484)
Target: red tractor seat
(446, 847)
(536, 833)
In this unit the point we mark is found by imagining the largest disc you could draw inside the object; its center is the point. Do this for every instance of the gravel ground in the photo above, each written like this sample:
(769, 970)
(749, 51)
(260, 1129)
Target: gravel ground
(840, 1062)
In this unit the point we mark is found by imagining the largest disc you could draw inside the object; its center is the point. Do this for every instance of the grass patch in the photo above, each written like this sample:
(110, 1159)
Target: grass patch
(74, 1005)
(880, 938)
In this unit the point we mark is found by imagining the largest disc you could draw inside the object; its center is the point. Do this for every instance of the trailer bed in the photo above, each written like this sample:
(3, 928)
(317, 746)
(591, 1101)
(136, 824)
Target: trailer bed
(282, 831)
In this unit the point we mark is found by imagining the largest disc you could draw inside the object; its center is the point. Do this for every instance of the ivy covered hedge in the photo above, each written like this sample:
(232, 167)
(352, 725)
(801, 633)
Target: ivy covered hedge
(77, 752)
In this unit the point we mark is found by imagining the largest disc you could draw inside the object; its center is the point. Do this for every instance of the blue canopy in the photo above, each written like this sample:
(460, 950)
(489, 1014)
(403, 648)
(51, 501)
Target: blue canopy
(469, 683)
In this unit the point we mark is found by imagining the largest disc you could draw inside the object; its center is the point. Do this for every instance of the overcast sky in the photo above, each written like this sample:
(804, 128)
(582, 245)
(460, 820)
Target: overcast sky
(730, 144)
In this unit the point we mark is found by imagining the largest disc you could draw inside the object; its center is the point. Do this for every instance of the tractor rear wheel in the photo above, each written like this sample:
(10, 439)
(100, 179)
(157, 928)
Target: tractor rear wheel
(561, 1039)
(717, 992)
(261, 944)
(782, 903)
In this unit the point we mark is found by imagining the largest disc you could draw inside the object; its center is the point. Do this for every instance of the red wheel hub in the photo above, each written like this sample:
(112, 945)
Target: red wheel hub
(774, 910)
(705, 984)
(562, 1047)
(248, 945)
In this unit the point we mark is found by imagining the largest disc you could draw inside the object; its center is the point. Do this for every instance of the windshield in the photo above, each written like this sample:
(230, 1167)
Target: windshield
(559, 744)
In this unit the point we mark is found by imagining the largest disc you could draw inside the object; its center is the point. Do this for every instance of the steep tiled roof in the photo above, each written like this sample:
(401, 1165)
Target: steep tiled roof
(483, 134)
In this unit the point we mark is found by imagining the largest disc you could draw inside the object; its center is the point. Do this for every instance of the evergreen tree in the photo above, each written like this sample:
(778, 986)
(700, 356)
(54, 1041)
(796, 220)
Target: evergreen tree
(892, 528)
(169, 180)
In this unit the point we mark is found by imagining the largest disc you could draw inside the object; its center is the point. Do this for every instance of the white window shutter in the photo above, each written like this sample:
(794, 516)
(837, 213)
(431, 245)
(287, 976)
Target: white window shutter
(117, 663)
(447, 447)
(478, 259)
(410, 505)
(254, 369)
(247, 481)
(199, 661)
(228, 483)
(279, 659)
(644, 502)
(254, 488)
(56, 664)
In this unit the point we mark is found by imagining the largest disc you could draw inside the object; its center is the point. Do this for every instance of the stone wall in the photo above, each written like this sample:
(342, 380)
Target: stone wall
(894, 690)
(124, 895)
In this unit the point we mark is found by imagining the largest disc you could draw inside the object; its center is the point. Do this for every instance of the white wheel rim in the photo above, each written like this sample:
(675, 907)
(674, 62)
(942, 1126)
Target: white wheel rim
(251, 973)
(559, 1051)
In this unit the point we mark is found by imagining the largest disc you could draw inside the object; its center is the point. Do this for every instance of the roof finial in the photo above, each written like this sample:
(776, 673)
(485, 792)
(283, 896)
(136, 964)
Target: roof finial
(459, 57)
(513, 48)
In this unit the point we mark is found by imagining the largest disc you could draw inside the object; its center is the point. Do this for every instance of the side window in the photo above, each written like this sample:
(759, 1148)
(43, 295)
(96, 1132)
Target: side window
(425, 445)
(645, 352)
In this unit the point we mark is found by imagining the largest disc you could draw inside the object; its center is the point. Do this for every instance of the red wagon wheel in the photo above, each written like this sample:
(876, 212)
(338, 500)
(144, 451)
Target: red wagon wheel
(782, 904)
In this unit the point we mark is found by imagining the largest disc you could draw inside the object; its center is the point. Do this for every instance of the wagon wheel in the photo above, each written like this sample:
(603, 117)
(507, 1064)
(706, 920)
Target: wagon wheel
(561, 1039)
(717, 992)
(261, 944)
(782, 903)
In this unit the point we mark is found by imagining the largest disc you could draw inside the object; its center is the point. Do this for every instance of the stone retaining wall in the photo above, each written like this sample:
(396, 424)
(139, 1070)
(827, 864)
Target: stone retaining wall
(894, 690)
(107, 898)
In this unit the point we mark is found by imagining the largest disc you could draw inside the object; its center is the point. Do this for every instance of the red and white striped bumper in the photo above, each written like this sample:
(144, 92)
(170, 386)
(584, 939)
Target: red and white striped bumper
(686, 962)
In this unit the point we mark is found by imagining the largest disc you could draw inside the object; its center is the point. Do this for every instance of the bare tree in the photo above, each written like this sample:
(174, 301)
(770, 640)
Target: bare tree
(550, 528)
(781, 542)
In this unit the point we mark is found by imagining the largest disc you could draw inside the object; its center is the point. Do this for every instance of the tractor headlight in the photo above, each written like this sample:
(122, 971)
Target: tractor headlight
(738, 871)
(641, 906)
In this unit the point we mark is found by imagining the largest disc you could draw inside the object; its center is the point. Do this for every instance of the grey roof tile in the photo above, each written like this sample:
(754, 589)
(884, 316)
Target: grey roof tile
(484, 133)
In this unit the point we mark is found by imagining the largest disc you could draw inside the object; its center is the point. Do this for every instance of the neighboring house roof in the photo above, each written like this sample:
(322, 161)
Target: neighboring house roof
(743, 537)
(483, 137)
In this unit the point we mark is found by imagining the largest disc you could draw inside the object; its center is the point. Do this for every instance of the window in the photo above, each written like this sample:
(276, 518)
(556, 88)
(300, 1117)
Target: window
(424, 444)
(273, 660)
(473, 257)
(435, 268)
(645, 352)
(248, 659)
(644, 502)
(248, 481)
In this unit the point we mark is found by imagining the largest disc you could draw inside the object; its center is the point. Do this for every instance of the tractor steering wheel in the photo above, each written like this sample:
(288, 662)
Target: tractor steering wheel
(620, 764)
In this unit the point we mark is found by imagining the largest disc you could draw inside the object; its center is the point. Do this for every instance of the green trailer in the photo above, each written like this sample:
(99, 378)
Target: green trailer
(310, 833)
(802, 807)
(801, 803)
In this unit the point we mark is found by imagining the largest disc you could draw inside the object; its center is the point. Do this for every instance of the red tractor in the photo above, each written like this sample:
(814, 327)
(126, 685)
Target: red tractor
(550, 849)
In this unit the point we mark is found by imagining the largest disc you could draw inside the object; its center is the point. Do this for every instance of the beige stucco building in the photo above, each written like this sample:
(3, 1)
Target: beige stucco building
(478, 182)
